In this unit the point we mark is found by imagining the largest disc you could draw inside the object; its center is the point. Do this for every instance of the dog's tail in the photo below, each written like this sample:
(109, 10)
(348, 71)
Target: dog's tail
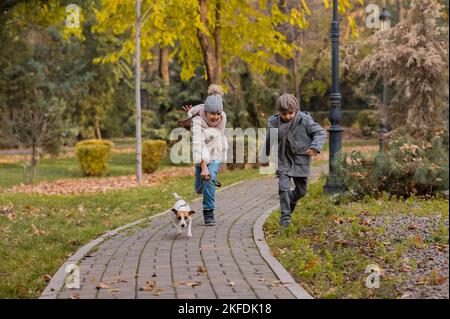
(176, 196)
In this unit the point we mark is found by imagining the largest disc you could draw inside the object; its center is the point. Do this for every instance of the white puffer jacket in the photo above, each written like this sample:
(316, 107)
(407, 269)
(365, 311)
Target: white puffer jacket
(208, 143)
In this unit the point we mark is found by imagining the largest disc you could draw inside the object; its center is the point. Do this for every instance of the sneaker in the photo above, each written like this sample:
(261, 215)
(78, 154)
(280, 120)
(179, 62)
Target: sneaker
(210, 222)
(284, 223)
(209, 217)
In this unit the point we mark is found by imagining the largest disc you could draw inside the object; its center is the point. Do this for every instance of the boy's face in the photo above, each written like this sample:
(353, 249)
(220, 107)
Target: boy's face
(287, 116)
(212, 116)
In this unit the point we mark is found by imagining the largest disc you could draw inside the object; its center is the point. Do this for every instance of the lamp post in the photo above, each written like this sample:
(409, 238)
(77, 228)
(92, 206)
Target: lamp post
(385, 23)
(334, 183)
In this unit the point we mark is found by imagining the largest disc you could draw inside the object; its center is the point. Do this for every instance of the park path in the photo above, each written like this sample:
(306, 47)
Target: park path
(234, 254)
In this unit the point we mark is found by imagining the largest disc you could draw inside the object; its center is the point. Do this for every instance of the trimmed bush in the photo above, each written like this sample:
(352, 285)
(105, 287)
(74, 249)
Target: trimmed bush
(368, 122)
(93, 156)
(407, 167)
(153, 152)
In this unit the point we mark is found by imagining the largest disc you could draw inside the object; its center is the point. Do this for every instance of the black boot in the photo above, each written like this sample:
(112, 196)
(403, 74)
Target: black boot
(208, 215)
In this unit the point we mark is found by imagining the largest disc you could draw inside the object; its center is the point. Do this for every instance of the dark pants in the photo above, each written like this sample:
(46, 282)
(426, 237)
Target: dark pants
(289, 198)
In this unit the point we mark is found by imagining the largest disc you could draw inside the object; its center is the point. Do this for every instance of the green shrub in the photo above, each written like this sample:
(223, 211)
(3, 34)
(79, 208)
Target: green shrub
(368, 122)
(407, 167)
(93, 156)
(153, 152)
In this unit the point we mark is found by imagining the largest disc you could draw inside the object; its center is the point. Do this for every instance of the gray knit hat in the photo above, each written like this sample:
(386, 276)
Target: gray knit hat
(213, 103)
(287, 103)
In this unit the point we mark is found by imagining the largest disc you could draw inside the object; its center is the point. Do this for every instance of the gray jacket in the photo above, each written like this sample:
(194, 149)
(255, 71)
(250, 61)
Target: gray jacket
(303, 134)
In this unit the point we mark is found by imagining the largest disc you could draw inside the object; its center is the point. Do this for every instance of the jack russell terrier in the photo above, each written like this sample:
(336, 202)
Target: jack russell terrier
(182, 215)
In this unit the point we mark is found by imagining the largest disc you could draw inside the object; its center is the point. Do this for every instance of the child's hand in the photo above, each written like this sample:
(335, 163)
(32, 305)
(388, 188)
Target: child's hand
(205, 173)
(187, 107)
(312, 152)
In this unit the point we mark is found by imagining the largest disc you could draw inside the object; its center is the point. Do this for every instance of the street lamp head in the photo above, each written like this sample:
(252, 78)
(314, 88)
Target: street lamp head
(385, 19)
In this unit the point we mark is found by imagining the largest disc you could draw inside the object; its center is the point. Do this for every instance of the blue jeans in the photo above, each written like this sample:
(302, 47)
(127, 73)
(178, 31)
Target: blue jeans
(207, 187)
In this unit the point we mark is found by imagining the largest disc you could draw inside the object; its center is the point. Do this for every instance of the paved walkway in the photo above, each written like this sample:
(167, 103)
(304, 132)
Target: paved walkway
(152, 254)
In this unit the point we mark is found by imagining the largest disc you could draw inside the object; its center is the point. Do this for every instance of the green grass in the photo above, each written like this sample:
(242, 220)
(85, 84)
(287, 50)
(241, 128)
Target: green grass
(70, 221)
(59, 168)
(329, 258)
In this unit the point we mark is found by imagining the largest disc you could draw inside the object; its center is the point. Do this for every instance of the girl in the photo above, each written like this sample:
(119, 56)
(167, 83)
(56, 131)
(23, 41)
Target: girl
(209, 147)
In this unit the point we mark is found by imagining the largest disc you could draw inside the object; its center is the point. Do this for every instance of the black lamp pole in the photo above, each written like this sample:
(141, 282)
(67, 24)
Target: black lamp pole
(385, 23)
(334, 182)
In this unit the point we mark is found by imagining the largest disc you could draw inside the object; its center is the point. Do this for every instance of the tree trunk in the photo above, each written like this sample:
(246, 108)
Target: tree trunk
(205, 43)
(32, 174)
(287, 31)
(296, 87)
(311, 71)
(217, 34)
(97, 129)
(164, 65)
(400, 10)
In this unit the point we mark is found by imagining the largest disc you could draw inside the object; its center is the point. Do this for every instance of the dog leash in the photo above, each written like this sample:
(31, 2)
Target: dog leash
(217, 183)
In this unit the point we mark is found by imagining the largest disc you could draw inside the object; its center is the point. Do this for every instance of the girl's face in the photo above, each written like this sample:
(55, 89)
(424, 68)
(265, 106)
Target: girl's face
(213, 116)
(287, 116)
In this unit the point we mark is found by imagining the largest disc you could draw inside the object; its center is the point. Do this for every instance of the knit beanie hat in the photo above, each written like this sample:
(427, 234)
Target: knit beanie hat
(287, 103)
(213, 103)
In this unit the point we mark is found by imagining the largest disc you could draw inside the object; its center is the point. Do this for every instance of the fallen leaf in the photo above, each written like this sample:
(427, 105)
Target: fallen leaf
(201, 269)
(149, 285)
(102, 285)
(114, 290)
(12, 216)
(421, 281)
(75, 296)
(190, 283)
(341, 242)
(193, 283)
(275, 283)
(37, 231)
(230, 283)
(417, 240)
(46, 278)
(364, 221)
(158, 291)
(439, 280)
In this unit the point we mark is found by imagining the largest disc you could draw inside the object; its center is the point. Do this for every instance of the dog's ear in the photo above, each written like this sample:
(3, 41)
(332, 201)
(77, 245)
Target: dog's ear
(174, 210)
(191, 212)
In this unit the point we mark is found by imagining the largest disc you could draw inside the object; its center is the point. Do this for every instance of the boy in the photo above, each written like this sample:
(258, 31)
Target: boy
(299, 138)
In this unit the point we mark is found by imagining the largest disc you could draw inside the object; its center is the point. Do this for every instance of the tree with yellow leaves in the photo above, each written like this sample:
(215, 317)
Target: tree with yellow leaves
(206, 33)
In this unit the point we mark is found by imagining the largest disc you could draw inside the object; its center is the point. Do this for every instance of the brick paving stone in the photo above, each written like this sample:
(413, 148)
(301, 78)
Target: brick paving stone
(228, 251)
